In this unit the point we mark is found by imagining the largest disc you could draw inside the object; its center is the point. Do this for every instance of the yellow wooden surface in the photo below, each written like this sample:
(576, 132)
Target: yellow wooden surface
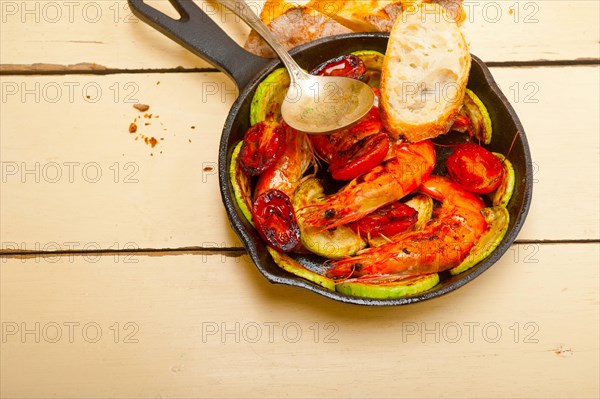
(211, 326)
(86, 166)
(203, 322)
(106, 33)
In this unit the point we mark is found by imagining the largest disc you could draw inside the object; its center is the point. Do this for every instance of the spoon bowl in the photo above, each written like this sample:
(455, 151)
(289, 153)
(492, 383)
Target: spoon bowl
(324, 104)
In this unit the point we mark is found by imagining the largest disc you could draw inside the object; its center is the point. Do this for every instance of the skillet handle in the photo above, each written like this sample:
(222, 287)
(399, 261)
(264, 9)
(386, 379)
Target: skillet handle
(203, 37)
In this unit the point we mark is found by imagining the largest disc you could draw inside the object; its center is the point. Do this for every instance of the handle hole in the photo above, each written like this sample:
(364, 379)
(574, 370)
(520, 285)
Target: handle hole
(165, 7)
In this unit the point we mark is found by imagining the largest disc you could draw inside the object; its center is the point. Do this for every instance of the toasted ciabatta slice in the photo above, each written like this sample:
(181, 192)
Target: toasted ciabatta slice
(378, 15)
(360, 16)
(273, 9)
(296, 26)
(424, 75)
(454, 9)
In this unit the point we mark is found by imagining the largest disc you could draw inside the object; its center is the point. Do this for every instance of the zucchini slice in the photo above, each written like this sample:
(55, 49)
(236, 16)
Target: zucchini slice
(379, 288)
(504, 192)
(288, 264)
(333, 243)
(374, 62)
(477, 113)
(423, 204)
(241, 184)
(497, 218)
(268, 97)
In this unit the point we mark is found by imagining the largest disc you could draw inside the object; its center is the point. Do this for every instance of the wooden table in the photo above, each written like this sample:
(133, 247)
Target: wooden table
(120, 276)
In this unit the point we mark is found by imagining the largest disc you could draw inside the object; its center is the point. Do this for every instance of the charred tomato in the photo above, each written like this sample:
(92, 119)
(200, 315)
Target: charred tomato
(327, 146)
(475, 168)
(275, 220)
(349, 66)
(388, 221)
(360, 158)
(262, 145)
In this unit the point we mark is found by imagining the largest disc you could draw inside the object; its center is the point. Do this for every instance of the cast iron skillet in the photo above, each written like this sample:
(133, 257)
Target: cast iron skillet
(199, 34)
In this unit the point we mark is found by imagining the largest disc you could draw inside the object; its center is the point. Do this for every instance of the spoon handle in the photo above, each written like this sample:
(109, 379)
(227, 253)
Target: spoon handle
(241, 9)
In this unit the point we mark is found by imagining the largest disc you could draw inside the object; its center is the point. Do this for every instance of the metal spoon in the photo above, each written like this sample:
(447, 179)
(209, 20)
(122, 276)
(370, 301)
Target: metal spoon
(313, 104)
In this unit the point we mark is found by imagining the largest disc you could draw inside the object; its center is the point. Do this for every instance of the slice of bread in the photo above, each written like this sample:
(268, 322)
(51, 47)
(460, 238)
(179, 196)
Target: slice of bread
(273, 9)
(360, 16)
(454, 9)
(377, 15)
(296, 26)
(424, 76)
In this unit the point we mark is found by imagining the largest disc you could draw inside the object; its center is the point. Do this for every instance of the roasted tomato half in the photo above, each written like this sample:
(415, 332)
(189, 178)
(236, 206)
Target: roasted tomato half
(275, 220)
(262, 145)
(349, 66)
(475, 168)
(327, 146)
(360, 158)
(388, 221)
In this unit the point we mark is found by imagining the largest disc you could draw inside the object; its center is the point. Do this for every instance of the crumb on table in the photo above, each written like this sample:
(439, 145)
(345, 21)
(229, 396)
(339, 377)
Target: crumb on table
(141, 107)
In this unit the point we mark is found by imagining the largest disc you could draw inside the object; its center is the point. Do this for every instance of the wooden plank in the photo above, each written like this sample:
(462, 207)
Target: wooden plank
(212, 326)
(83, 173)
(532, 30)
(167, 196)
(105, 34)
(565, 151)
